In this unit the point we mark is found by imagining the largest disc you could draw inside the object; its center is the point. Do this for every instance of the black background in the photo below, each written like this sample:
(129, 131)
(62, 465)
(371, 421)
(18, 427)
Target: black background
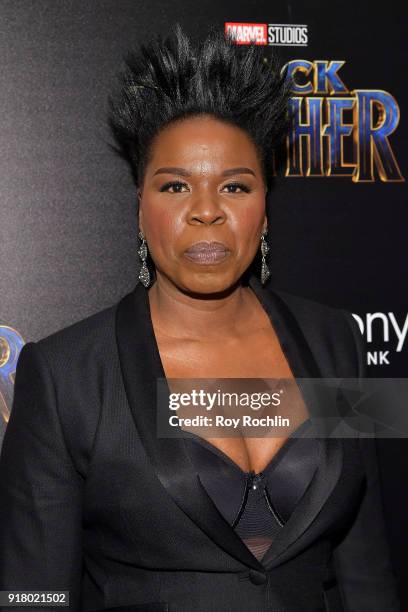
(68, 242)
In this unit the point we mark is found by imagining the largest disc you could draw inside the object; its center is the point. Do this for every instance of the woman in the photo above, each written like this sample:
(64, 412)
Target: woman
(92, 500)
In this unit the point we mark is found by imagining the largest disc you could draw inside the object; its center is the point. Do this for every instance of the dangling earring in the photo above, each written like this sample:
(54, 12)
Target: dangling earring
(144, 274)
(265, 273)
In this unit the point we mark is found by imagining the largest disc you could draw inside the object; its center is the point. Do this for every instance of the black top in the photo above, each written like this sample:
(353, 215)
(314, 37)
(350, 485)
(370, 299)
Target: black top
(93, 501)
(257, 505)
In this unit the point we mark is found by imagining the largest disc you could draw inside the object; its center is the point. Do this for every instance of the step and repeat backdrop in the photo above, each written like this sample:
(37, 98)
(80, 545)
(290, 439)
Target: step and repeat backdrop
(338, 213)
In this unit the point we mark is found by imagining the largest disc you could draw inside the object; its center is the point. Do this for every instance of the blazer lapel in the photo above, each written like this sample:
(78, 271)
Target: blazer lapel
(294, 535)
(141, 367)
(303, 364)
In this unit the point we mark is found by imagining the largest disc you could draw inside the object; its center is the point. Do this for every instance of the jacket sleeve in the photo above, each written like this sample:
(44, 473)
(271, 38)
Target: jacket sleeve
(362, 559)
(40, 490)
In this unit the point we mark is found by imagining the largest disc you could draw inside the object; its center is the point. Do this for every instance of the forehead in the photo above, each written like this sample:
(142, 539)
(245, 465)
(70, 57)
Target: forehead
(203, 144)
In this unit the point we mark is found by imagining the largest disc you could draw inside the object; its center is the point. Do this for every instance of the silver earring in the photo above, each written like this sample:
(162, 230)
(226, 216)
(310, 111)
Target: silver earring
(144, 274)
(265, 273)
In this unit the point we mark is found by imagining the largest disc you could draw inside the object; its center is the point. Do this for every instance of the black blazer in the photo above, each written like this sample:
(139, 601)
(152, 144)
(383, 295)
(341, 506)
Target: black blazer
(93, 502)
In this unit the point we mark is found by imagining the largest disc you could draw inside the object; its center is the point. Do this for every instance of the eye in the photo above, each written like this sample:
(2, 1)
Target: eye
(175, 184)
(235, 186)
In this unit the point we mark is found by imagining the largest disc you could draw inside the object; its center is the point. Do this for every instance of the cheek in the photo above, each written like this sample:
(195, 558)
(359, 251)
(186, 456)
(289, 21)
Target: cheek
(162, 226)
(248, 221)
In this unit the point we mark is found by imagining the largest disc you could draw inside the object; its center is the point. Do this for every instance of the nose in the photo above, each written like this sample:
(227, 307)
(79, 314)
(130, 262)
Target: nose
(205, 208)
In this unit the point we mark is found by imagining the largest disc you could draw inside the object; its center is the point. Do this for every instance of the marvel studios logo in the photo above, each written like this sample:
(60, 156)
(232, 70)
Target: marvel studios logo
(279, 34)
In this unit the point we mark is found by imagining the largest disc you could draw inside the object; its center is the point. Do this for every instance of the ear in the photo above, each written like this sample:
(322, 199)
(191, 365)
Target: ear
(140, 211)
(265, 225)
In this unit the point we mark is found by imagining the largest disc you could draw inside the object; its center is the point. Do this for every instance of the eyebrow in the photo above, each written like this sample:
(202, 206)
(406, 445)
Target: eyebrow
(184, 172)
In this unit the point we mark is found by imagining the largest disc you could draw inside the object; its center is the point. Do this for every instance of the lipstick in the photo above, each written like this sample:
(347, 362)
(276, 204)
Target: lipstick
(207, 253)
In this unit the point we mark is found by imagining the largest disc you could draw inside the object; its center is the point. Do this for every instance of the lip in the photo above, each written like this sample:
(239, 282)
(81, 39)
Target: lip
(207, 253)
(206, 246)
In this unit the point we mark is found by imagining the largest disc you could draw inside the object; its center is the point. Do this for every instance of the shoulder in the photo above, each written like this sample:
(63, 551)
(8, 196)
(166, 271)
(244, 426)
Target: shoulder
(328, 328)
(75, 359)
(73, 369)
(79, 356)
(318, 314)
(309, 308)
(91, 336)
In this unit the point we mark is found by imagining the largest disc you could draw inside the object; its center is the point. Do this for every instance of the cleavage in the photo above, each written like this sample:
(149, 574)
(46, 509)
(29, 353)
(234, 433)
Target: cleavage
(248, 470)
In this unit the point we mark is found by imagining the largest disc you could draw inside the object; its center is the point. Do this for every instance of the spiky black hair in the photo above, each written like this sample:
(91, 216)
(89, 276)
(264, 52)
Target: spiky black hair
(171, 78)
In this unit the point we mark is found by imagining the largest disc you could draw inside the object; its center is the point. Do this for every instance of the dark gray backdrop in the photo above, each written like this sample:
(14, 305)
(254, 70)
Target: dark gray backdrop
(67, 215)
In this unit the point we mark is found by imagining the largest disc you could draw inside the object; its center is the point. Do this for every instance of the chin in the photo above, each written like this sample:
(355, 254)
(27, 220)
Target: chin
(208, 283)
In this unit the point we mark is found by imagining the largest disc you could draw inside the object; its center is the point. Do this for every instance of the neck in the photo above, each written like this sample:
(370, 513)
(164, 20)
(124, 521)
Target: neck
(213, 317)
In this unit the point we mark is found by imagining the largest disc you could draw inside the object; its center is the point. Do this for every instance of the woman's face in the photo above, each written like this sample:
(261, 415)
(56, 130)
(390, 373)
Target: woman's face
(203, 183)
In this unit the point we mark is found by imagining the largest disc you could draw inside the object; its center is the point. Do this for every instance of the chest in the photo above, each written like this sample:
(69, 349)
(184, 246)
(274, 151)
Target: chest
(255, 355)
